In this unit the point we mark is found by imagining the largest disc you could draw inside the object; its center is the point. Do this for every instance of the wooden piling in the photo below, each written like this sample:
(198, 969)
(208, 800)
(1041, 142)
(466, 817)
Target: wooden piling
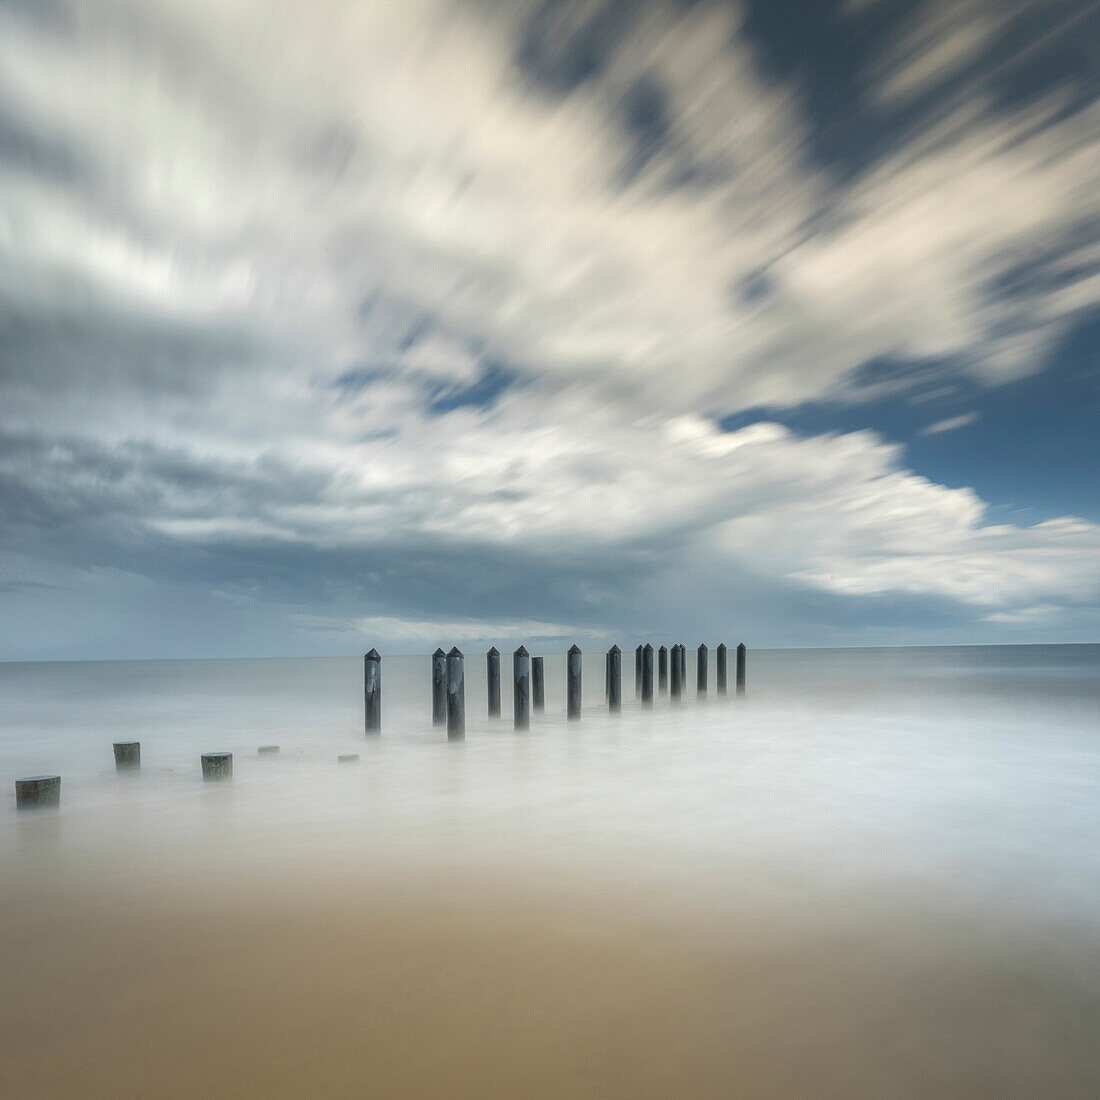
(456, 696)
(439, 688)
(647, 675)
(637, 672)
(676, 687)
(720, 669)
(662, 671)
(372, 691)
(573, 682)
(521, 688)
(217, 766)
(538, 685)
(701, 672)
(127, 755)
(614, 680)
(38, 792)
(741, 668)
(492, 680)
(267, 750)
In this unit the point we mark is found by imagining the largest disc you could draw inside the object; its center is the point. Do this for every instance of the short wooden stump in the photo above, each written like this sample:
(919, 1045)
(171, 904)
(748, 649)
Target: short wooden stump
(217, 766)
(38, 792)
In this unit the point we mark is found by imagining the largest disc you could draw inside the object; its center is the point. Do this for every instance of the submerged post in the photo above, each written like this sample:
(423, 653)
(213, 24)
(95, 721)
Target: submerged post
(637, 672)
(676, 681)
(521, 688)
(127, 755)
(720, 669)
(372, 691)
(741, 668)
(647, 675)
(614, 680)
(456, 696)
(538, 685)
(492, 680)
(38, 792)
(662, 670)
(439, 688)
(216, 766)
(701, 672)
(573, 682)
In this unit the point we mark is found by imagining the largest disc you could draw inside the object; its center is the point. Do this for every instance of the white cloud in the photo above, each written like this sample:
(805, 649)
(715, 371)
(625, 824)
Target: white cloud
(951, 423)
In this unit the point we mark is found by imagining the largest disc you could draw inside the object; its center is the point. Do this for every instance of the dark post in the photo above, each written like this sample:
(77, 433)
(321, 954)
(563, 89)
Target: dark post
(456, 696)
(492, 679)
(607, 676)
(614, 680)
(647, 676)
(127, 756)
(676, 688)
(637, 672)
(216, 766)
(720, 670)
(38, 792)
(538, 685)
(741, 668)
(573, 682)
(439, 688)
(372, 690)
(267, 750)
(701, 672)
(521, 688)
(662, 670)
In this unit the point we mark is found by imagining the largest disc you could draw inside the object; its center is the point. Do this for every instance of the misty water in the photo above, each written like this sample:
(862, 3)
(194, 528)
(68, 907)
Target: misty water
(909, 797)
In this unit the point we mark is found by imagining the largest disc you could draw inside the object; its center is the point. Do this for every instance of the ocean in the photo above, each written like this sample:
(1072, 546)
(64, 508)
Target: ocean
(877, 874)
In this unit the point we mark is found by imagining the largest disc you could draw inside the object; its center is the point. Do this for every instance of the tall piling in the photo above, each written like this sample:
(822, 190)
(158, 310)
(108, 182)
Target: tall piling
(676, 680)
(647, 675)
(439, 688)
(38, 792)
(521, 688)
(456, 696)
(701, 672)
(573, 682)
(741, 668)
(614, 680)
(662, 671)
(127, 755)
(372, 691)
(492, 680)
(637, 672)
(720, 669)
(538, 685)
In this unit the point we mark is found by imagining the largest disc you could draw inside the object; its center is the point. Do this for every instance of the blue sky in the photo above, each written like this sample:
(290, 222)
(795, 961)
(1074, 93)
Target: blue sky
(402, 324)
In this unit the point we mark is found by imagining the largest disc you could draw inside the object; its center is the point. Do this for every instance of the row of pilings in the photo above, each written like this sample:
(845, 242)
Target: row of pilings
(529, 682)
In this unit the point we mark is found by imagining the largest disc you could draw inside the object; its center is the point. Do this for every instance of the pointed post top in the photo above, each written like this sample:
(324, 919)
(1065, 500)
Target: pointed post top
(662, 650)
(702, 645)
(521, 652)
(647, 646)
(494, 652)
(374, 655)
(721, 645)
(439, 652)
(614, 649)
(574, 648)
(740, 645)
(455, 652)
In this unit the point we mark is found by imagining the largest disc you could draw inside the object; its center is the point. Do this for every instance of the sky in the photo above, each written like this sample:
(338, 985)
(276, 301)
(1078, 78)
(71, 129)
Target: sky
(402, 323)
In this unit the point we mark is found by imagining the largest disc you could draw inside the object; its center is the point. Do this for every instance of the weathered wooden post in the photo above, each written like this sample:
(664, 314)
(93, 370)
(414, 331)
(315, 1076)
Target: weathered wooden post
(720, 670)
(607, 676)
(127, 755)
(521, 688)
(372, 691)
(701, 672)
(662, 670)
(216, 766)
(439, 688)
(614, 680)
(538, 685)
(647, 675)
(573, 682)
(38, 792)
(741, 668)
(637, 672)
(456, 696)
(267, 750)
(492, 680)
(676, 688)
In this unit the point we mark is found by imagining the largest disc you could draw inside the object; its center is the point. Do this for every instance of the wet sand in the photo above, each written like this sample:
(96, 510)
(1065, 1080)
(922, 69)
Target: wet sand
(455, 982)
